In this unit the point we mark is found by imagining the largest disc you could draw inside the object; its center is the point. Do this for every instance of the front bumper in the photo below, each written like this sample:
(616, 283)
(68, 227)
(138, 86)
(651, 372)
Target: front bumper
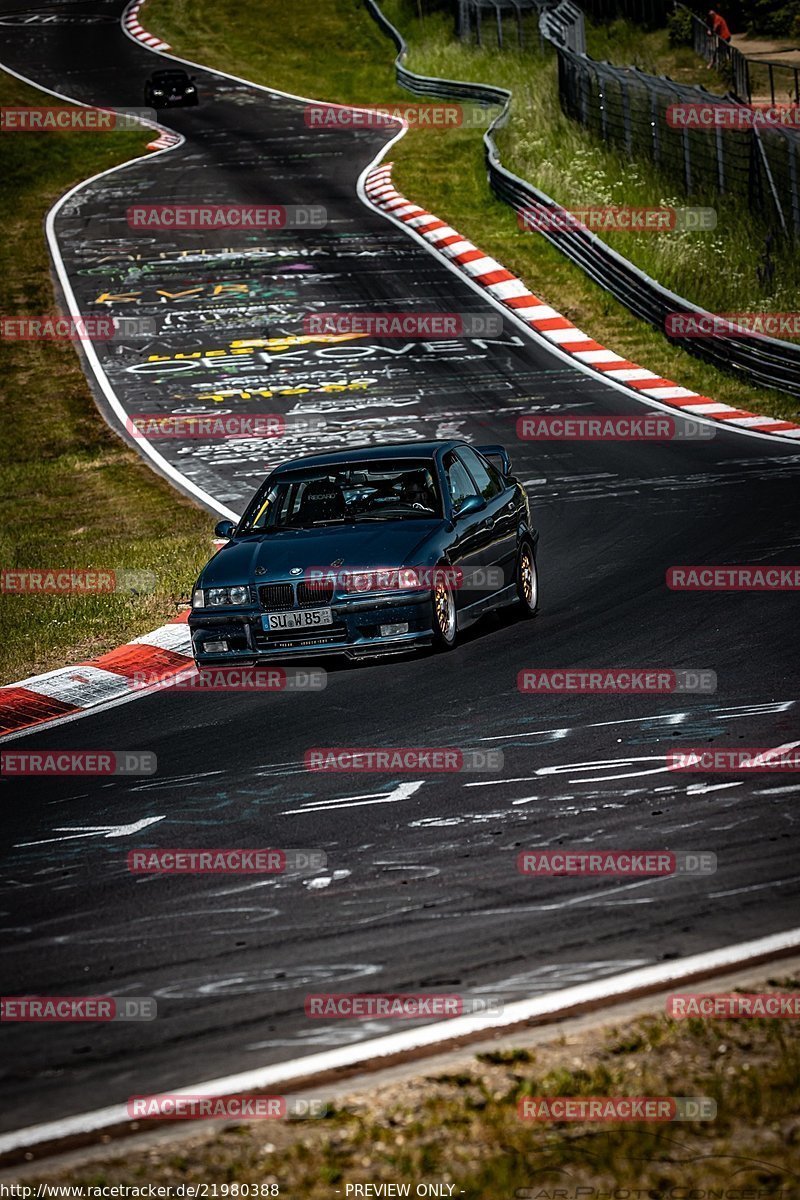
(355, 632)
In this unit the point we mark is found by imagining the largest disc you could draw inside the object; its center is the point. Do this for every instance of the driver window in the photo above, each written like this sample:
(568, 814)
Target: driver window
(486, 477)
(458, 482)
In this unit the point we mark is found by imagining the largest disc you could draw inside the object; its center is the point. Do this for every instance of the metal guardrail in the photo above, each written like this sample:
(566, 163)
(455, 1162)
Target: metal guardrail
(765, 361)
(564, 26)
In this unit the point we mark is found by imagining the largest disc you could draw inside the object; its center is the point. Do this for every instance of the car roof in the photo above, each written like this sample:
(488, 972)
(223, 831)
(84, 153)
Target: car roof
(393, 450)
(173, 71)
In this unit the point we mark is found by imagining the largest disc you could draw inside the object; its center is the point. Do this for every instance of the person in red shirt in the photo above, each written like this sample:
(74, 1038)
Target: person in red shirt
(717, 28)
(717, 24)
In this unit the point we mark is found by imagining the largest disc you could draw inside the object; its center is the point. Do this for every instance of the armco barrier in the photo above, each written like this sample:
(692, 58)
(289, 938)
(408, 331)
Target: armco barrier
(767, 362)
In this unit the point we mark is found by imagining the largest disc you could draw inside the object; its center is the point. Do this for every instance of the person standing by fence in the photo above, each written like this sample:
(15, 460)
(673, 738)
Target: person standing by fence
(717, 28)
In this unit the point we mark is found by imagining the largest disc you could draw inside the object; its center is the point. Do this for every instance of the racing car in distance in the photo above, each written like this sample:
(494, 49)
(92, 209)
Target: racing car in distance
(367, 552)
(170, 89)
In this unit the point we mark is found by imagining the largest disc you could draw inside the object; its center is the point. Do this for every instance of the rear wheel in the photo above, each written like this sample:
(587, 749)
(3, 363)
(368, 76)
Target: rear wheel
(527, 580)
(444, 611)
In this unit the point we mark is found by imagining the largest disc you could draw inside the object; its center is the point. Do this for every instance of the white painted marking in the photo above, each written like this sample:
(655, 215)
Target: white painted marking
(107, 831)
(403, 791)
(632, 373)
(77, 685)
(510, 289)
(462, 247)
(174, 637)
(613, 988)
(708, 409)
(596, 356)
(700, 789)
(572, 334)
(482, 266)
(670, 393)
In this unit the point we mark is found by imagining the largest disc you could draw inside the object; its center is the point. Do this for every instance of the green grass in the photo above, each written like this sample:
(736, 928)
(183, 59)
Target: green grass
(626, 44)
(462, 1128)
(72, 494)
(445, 172)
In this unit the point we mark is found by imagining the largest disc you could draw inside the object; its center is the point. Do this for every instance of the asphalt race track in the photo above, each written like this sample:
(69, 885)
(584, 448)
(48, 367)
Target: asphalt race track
(421, 891)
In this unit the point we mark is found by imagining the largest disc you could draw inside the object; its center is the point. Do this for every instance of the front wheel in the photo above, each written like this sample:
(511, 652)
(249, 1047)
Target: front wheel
(527, 580)
(444, 612)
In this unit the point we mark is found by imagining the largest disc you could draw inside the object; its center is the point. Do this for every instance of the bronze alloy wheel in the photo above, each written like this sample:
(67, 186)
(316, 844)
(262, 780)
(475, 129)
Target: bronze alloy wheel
(444, 612)
(527, 580)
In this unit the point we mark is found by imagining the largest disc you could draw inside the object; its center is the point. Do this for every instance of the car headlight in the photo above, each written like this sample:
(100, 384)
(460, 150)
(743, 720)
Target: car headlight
(218, 597)
(189, 89)
(158, 91)
(408, 578)
(198, 599)
(383, 579)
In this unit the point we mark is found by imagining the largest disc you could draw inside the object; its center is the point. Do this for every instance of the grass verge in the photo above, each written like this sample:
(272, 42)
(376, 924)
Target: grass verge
(444, 169)
(73, 495)
(627, 44)
(462, 1128)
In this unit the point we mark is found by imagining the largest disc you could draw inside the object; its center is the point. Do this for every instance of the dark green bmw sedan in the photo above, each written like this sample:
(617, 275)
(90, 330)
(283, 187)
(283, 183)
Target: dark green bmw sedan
(367, 552)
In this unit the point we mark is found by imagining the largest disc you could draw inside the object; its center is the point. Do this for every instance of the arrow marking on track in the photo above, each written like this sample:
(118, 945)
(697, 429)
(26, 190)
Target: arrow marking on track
(108, 831)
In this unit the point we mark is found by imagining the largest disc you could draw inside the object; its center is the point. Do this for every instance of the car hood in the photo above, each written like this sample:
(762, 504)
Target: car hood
(272, 556)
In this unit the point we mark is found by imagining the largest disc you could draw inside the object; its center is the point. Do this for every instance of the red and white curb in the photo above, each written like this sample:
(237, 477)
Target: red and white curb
(547, 321)
(131, 25)
(161, 654)
(165, 140)
(130, 22)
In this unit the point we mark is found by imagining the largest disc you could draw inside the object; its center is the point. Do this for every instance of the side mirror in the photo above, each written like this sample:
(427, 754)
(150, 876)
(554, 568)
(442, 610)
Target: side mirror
(472, 504)
(224, 529)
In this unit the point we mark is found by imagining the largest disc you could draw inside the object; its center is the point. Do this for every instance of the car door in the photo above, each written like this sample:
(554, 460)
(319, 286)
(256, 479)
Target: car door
(472, 538)
(500, 519)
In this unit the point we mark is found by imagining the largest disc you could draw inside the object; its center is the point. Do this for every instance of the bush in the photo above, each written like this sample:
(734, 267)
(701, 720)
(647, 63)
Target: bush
(679, 27)
(774, 20)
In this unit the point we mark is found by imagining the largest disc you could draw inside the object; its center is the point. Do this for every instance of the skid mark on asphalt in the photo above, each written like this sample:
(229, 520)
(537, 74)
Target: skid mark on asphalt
(550, 977)
(266, 979)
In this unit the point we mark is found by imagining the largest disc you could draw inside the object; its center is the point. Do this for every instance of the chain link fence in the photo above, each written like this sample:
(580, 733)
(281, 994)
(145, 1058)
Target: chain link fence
(652, 14)
(638, 113)
(508, 20)
(767, 362)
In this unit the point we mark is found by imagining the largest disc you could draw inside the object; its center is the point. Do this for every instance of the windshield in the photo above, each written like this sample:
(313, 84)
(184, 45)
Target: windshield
(374, 491)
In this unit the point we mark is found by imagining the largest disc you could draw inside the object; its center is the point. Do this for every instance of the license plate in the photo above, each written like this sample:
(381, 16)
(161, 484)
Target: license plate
(308, 618)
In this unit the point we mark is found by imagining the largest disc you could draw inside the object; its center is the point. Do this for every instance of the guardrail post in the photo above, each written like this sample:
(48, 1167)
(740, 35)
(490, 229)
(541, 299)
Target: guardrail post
(601, 83)
(626, 113)
(720, 160)
(654, 126)
(794, 198)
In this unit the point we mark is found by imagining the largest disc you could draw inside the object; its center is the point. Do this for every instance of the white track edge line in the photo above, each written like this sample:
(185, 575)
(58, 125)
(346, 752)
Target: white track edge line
(88, 347)
(613, 988)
